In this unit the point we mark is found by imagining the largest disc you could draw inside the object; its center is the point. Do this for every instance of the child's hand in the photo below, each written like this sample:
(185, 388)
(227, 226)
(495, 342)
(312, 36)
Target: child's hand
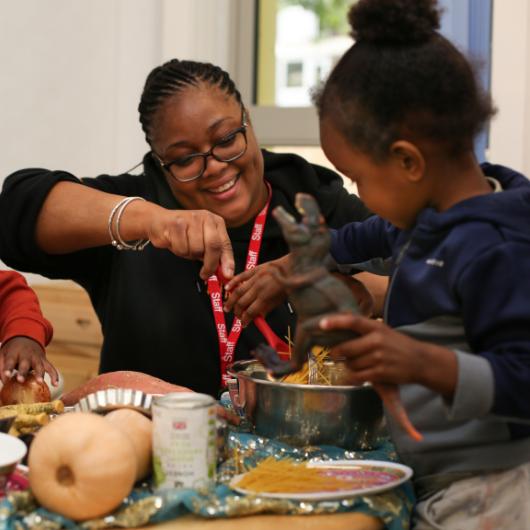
(25, 355)
(256, 292)
(383, 355)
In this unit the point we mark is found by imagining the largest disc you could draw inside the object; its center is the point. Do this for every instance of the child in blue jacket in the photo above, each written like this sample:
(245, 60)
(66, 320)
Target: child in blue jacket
(398, 116)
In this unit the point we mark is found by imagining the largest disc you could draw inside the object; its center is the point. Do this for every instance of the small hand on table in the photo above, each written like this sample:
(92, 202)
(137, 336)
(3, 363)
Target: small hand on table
(25, 355)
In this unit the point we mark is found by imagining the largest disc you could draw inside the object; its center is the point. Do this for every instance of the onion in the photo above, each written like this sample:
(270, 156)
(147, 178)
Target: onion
(30, 391)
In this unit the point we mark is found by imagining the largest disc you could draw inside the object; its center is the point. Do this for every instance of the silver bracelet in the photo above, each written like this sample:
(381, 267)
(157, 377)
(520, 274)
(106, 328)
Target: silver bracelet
(114, 227)
(111, 217)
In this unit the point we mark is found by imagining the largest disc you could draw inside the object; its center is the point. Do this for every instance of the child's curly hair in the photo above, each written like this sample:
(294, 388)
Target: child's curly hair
(402, 79)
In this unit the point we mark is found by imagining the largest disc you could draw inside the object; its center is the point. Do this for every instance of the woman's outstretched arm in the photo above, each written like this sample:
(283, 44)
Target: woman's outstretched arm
(74, 217)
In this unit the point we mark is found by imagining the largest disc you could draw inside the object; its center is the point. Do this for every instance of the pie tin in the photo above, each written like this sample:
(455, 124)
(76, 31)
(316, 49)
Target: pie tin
(115, 398)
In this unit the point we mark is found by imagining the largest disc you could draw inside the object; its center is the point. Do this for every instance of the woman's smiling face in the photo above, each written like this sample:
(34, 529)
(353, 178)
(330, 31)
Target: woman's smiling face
(192, 122)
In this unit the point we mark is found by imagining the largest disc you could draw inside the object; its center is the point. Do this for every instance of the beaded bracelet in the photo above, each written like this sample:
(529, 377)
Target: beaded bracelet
(115, 236)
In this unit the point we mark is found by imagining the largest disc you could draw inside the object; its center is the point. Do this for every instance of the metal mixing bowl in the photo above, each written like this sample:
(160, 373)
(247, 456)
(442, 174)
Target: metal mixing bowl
(350, 417)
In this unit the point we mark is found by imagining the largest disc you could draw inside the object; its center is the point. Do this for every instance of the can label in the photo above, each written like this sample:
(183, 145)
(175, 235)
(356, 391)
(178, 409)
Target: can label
(184, 440)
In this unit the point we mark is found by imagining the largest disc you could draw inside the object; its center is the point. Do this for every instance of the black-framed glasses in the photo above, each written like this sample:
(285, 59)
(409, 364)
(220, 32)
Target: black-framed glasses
(227, 149)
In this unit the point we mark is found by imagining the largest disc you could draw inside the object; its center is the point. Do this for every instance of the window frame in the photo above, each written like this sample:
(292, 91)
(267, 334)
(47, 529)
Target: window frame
(299, 125)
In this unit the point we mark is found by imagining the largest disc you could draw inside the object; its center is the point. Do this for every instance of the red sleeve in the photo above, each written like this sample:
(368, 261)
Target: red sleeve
(20, 313)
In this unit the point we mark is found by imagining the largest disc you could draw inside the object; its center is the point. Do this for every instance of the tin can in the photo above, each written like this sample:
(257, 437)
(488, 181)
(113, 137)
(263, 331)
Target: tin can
(184, 440)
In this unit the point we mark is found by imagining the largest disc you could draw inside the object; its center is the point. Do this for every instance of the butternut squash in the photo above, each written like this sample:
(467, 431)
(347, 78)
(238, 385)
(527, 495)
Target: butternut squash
(81, 466)
(140, 431)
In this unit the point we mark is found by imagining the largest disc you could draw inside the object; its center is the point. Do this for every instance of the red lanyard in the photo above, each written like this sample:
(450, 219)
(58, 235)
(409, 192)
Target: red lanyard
(227, 344)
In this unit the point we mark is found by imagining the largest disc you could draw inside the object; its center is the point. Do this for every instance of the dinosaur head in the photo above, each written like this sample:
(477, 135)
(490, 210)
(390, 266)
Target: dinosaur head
(309, 236)
(296, 234)
(308, 208)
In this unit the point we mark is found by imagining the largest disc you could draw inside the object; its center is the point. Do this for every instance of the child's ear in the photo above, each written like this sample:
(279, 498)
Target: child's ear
(409, 159)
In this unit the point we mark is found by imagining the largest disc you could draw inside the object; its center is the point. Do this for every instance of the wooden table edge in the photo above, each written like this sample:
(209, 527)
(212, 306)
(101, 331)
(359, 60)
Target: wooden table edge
(338, 521)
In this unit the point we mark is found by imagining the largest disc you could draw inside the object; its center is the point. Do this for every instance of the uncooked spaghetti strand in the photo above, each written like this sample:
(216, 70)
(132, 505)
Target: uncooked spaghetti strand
(287, 476)
(302, 376)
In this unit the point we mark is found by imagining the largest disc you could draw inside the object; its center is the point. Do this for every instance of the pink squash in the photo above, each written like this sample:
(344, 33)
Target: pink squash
(122, 379)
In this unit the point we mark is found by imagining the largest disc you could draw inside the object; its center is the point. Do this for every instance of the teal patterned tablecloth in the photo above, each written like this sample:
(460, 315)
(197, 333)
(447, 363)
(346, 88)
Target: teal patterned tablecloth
(19, 510)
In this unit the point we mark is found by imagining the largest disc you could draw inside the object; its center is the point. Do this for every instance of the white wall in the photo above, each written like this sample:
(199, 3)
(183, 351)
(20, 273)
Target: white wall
(72, 72)
(201, 30)
(510, 129)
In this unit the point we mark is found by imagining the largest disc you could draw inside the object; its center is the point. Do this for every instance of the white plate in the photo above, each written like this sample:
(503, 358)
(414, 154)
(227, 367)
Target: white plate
(12, 450)
(381, 475)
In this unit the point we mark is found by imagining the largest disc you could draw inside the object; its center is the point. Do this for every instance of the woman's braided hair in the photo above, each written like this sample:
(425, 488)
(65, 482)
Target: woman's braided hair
(174, 76)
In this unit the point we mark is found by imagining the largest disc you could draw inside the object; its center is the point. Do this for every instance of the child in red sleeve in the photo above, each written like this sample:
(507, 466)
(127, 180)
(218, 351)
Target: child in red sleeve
(24, 332)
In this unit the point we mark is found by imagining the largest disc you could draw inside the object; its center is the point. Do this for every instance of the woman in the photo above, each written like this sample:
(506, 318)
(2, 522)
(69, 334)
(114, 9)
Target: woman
(198, 201)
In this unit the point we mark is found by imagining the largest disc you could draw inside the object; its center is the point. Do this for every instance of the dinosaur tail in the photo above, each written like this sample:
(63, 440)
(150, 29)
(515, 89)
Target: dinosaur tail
(390, 396)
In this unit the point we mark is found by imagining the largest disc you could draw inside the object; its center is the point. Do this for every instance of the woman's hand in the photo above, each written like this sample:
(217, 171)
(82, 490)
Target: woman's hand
(383, 355)
(257, 291)
(24, 355)
(191, 234)
(194, 234)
